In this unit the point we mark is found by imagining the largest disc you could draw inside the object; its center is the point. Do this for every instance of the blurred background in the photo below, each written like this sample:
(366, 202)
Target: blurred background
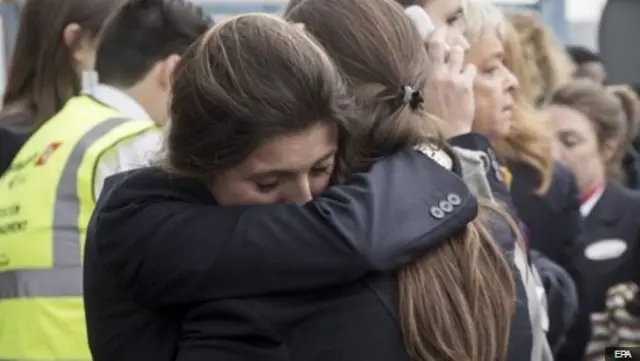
(573, 21)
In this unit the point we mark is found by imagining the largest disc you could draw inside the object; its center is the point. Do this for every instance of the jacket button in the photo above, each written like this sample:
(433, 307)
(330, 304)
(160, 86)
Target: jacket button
(454, 199)
(446, 206)
(437, 213)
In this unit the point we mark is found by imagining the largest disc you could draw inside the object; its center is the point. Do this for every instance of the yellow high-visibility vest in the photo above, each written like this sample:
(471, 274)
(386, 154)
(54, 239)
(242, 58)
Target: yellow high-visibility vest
(46, 201)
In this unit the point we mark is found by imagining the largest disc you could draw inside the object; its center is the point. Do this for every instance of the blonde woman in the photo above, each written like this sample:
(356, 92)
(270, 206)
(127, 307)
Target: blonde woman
(543, 192)
(547, 197)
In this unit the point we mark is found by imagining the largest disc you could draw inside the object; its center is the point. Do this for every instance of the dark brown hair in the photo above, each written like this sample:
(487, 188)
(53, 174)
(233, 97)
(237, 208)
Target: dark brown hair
(603, 110)
(144, 32)
(456, 302)
(248, 80)
(42, 74)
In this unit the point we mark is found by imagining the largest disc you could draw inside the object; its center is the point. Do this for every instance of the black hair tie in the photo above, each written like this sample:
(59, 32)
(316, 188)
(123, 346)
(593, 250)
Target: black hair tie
(414, 98)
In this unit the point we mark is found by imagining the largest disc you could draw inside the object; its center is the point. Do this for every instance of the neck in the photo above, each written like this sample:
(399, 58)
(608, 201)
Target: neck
(588, 187)
(140, 94)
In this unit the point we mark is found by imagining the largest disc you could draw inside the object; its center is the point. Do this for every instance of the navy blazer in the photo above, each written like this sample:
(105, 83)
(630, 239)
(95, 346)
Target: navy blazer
(353, 322)
(611, 248)
(158, 244)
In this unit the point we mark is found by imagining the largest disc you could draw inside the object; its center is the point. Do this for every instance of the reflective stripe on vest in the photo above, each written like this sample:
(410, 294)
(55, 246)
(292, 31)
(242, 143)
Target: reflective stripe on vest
(61, 280)
(46, 202)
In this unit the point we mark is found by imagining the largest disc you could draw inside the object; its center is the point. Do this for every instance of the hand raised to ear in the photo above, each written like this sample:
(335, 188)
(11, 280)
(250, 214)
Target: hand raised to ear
(449, 92)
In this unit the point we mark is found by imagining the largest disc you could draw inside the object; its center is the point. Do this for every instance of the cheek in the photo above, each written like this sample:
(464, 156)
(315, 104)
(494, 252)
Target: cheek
(319, 183)
(579, 156)
(486, 119)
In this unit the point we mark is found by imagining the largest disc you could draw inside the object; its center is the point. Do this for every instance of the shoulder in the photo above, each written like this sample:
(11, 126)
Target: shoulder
(17, 123)
(134, 151)
(631, 195)
(147, 185)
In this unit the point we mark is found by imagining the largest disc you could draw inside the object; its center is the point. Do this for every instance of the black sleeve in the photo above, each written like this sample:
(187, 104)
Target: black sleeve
(169, 249)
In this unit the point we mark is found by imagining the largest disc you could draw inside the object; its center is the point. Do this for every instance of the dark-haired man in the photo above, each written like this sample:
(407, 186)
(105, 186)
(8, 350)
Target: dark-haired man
(588, 64)
(48, 196)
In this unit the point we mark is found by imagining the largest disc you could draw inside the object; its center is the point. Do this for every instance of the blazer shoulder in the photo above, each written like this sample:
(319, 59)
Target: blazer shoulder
(563, 188)
(148, 184)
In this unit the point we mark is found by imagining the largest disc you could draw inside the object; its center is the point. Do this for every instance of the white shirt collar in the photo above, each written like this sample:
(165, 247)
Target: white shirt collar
(587, 207)
(118, 100)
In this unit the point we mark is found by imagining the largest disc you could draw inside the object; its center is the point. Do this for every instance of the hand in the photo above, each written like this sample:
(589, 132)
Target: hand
(449, 92)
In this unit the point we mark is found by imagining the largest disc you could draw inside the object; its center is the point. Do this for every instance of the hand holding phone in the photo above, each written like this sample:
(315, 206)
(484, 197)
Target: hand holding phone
(449, 92)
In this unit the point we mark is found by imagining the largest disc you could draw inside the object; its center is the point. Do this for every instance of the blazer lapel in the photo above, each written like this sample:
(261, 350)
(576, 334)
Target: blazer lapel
(605, 211)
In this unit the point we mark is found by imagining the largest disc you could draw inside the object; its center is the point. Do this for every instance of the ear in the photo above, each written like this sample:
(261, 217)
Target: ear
(609, 149)
(167, 68)
(71, 35)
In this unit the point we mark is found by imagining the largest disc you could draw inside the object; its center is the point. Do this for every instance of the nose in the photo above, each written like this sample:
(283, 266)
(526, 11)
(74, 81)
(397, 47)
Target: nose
(512, 83)
(302, 193)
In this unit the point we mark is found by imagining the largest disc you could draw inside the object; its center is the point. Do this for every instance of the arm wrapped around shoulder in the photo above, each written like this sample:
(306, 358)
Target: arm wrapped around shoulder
(166, 239)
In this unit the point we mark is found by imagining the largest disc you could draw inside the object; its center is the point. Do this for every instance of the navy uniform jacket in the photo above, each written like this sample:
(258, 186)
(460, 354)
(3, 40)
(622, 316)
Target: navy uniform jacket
(158, 244)
(611, 249)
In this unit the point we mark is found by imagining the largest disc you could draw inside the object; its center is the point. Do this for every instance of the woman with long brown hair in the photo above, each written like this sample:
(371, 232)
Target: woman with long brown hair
(455, 302)
(271, 139)
(56, 43)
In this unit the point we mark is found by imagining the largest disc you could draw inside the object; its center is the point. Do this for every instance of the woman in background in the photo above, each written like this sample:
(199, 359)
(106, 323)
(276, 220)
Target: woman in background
(540, 190)
(546, 195)
(439, 320)
(287, 259)
(589, 126)
(56, 43)
(548, 63)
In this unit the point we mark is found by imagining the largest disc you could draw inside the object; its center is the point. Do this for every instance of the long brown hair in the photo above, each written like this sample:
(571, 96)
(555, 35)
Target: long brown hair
(456, 302)
(528, 142)
(42, 75)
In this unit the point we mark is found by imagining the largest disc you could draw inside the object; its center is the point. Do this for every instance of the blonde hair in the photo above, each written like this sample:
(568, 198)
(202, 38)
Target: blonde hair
(548, 66)
(527, 142)
(480, 18)
(630, 103)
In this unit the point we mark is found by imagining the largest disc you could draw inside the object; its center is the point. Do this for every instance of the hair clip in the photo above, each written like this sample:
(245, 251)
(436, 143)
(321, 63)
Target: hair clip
(421, 19)
(411, 96)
